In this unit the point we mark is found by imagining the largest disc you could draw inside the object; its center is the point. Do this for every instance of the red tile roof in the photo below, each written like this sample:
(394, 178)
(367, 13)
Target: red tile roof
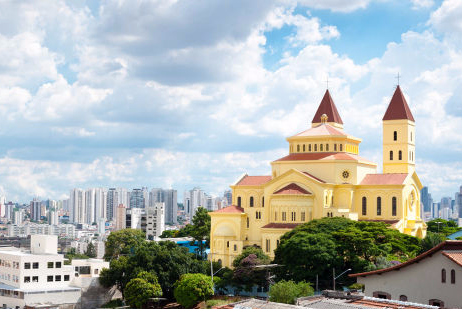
(293, 189)
(253, 180)
(275, 225)
(398, 108)
(231, 209)
(322, 130)
(312, 156)
(327, 107)
(448, 245)
(318, 179)
(384, 179)
(454, 256)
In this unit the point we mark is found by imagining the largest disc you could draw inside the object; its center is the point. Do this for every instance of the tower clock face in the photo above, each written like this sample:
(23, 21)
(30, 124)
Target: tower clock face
(345, 174)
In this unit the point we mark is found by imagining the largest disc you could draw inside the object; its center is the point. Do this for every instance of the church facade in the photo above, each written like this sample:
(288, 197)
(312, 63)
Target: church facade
(324, 176)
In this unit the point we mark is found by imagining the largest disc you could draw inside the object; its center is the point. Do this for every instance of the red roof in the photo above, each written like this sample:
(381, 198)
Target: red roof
(292, 189)
(311, 156)
(398, 108)
(327, 107)
(253, 180)
(448, 245)
(321, 130)
(275, 225)
(231, 209)
(384, 179)
(318, 179)
(456, 257)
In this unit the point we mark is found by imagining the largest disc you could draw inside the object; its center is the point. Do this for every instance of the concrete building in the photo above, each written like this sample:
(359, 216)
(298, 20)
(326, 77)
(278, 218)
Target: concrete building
(194, 199)
(152, 223)
(35, 210)
(170, 199)
(434, 278)
(323, 176)
(121, 217)
(77, 212)
(133, 218)
(18, 216)
(62, 230)
(38, 277)
(115, 197)
(137, 199)
(52, 216)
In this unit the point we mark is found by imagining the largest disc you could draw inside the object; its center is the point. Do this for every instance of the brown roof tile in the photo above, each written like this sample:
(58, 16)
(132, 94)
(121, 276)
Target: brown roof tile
(398, 108)
(322, 130)
(327, 107)
(454, 256)
(312, 156)
(384, 179)
(293, 189)
(230, 209)
(253, 180)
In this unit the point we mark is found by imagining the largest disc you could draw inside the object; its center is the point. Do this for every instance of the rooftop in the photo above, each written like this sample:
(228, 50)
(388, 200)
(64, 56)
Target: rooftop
(398, 108)
(323, 129)
(384, 179)
(253, 180)
(230, 209)
(328, 108)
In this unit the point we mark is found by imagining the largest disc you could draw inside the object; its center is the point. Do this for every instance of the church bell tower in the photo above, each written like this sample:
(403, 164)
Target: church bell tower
(398, 136)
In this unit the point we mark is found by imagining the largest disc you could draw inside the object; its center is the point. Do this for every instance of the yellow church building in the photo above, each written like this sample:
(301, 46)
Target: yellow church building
(324, 176)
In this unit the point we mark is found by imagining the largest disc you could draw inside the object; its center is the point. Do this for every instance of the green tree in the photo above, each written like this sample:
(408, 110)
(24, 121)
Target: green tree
(201, 228)
(91, 250)
(287, 292)
(193, 288)
(168, 234)
(246, 274)
(138, 291)
(251, 250)
(431, 240)
(117, 275)
(123, 242)
(441, 226)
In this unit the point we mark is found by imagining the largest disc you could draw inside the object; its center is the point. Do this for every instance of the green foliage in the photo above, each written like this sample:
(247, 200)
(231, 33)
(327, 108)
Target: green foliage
(71, 254)
(168, 234)
(315, 248)
(431, 240)
(357, 286)
(251, 250)
(287, 292)
(193, 288)
(201, 228)
(91, 250)
(113, 303)
(123, 242)
(445, 227)
(138, 291)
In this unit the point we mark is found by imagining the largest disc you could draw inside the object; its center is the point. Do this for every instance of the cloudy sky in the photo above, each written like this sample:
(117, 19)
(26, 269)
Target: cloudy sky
(181, 93)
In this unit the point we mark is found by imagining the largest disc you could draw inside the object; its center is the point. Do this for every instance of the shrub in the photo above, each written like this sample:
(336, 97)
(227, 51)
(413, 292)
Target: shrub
(287, 292)
(357, 286)
(138, 291)
(192, 288)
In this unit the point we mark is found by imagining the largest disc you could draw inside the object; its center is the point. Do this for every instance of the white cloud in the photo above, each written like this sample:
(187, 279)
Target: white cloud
(422, 4)
(447, 17)
(336, 5)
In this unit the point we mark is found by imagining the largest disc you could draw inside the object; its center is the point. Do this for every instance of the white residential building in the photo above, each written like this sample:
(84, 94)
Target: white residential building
(194, 199)
(152, 223)
(62, 230)
(18, 216)
(38, 277)
(77, 206)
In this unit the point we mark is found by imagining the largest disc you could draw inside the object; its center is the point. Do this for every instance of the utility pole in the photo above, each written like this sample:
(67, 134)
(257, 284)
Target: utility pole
(317, 283)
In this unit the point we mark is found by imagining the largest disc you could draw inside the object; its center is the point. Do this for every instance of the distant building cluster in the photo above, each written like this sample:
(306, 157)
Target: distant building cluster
(196, 198)
(447, 208)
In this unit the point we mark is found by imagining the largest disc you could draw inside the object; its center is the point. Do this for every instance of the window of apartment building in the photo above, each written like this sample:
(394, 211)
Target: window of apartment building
(443, 275)
(57, 278)
(275, 216)
(227, 244)
(35, 279)
(35, 265)
(453, 276)
(50, 264)
(379, 206)
(66, 277)
(298, 148)
(26, 265)
(49, 278)
(393, 206)
(26, 279)
(58, 265)
(364, 204)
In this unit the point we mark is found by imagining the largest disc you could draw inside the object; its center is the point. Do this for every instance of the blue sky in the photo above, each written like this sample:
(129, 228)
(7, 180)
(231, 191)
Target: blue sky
(195, 93)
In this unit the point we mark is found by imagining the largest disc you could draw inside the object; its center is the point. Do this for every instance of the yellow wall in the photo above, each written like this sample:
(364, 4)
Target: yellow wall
(405, 131)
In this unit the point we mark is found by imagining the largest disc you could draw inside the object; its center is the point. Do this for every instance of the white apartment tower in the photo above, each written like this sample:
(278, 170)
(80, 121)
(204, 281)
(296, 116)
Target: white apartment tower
(153, 223)
(192, 200)
(77, 206)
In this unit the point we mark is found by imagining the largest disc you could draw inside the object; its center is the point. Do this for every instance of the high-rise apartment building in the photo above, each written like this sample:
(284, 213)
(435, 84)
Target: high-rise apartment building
(137, 198)
(152, 223)
(35, 209)
(170, 199)
(458, 198)
(115, 197)
(228, 195)
(194, 199)
(121, 217)
(77, 206)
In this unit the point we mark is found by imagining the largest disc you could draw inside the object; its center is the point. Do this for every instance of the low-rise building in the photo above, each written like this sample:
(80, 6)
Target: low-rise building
(62, 230)
(434, 278)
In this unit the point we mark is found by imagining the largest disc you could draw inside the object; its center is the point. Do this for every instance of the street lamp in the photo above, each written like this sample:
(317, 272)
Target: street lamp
(335, 278)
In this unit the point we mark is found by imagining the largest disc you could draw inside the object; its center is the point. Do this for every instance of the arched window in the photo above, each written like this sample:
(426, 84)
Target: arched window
(341, 147)
(436, 302)
(453, 276)
(320, 147)
(379, 206)
(315, 147)
(251, 201)
(309, 147)
(327, 147)
(443, 275)
(403, 298)
(227, 244)
(303, 147)
(391, 155)
(298, 148)
(393, 206)
(263, 202)
(239, 201)
(248, 222)
(364, 206)
(400, 155)
(395, 136)
(335, 147)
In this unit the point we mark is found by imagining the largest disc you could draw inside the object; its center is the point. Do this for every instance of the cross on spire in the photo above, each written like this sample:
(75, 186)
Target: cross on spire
(327, 82)
(397, 77)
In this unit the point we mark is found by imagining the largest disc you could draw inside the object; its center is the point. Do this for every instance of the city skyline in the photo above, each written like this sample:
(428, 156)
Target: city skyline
(184, 97)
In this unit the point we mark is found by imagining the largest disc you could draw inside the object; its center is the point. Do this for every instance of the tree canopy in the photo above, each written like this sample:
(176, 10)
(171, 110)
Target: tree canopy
(193, 288)
(287, 292)
(201, 228)
(316, 247)
(123, 242)
(441, 226)
(141, 288)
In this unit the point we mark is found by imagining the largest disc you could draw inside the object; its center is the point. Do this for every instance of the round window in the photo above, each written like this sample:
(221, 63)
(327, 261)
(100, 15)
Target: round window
(345, 174)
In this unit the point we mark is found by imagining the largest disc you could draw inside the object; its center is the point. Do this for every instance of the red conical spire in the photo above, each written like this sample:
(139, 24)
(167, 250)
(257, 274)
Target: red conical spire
(398, 108)
(327, 107)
